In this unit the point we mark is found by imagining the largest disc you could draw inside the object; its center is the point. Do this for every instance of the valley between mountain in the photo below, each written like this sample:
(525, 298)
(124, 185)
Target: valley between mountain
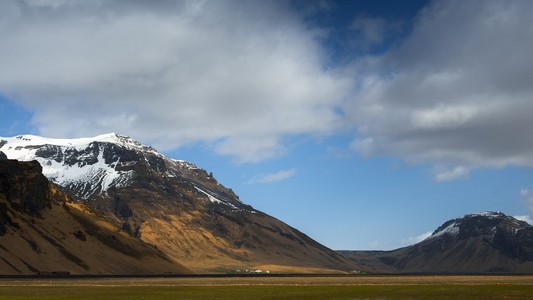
(111, 205)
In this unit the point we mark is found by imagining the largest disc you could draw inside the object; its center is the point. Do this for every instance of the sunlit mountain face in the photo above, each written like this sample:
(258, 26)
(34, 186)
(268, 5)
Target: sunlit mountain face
(172, 204)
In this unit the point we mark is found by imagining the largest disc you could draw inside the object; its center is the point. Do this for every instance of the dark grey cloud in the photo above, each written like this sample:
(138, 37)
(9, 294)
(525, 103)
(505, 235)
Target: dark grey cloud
(456, 93)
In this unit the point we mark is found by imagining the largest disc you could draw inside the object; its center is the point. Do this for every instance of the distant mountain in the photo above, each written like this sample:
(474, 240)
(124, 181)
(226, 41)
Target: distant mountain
(174, 205)
(487, 242)
(43, 230)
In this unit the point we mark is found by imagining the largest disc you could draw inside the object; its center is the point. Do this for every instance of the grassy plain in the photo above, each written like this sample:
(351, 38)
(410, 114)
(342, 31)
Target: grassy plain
(350, 287)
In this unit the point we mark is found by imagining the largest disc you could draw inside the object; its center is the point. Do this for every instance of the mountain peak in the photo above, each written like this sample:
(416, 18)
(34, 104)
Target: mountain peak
(477, 224)
(88, 165)
(488, 214)
(123, 140)
(114, 138)
(484, 242)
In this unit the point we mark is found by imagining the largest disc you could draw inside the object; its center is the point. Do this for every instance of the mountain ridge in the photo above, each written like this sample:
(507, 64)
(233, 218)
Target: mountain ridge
(174, 205)
(183, 211)
(488, 242)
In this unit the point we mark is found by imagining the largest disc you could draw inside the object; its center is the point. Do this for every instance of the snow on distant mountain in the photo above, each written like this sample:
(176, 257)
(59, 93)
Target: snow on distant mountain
(487, 242)
(483, 223)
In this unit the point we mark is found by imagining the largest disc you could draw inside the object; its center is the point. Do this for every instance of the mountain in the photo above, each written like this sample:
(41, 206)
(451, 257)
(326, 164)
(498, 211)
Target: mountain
(173, 205)
(43, 230)
(486, 242)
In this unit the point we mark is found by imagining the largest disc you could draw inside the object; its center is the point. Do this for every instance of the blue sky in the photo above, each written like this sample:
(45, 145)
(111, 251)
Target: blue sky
(365, 124)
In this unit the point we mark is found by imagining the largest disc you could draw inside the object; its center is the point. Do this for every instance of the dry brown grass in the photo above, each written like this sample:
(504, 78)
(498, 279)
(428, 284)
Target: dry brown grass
(278, 281)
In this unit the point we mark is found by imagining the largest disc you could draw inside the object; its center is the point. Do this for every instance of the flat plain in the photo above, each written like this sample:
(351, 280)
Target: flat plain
(272, 287)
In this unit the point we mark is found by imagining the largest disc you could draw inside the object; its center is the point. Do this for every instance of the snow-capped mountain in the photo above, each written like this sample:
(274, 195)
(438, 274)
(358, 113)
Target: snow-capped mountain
(89, 166)
(487, 224)
(475, 243)
(172, 204)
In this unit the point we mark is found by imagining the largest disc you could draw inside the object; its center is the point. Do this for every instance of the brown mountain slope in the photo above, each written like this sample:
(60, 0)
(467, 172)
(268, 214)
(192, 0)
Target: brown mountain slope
(195, 220)
(174, 205)
(42, 230)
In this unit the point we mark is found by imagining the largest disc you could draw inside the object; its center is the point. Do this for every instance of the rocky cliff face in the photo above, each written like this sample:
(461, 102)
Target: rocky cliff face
(477, 243)
(24, 186)
(43, 230)
(173, 205)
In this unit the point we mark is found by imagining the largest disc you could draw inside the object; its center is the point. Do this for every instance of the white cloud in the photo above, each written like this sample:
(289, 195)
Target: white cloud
(415, 239)
(456, 93)
(274, 177)
(524, 218)
(377, 244)
(442, 117)
(527, 197)
(364, 146)
(443, 173)
(241, 75)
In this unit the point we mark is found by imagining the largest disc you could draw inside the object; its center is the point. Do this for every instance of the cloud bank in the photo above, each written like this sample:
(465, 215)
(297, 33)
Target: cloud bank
(244, 77)
(274, 177)
(415, 239)
(233, 73)
(455, 93)
(525, 219)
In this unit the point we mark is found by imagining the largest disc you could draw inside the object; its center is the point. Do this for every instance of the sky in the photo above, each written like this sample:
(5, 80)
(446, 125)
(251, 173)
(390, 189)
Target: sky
(364, 124)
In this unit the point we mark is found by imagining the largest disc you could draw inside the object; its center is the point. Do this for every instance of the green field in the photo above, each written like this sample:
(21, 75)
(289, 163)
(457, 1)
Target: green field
(274, 292)
(421, 287)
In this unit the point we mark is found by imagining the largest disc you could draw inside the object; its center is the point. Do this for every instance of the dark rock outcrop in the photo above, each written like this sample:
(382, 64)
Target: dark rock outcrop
(2, 156)
(24, 186)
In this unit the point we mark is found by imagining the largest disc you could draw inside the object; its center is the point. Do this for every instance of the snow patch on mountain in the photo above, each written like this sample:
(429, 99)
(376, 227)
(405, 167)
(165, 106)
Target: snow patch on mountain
(89, 175)
(488, 214)
(452, 229)
(215, 200)
(88, 166)
(185, 164)
(104, 175)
